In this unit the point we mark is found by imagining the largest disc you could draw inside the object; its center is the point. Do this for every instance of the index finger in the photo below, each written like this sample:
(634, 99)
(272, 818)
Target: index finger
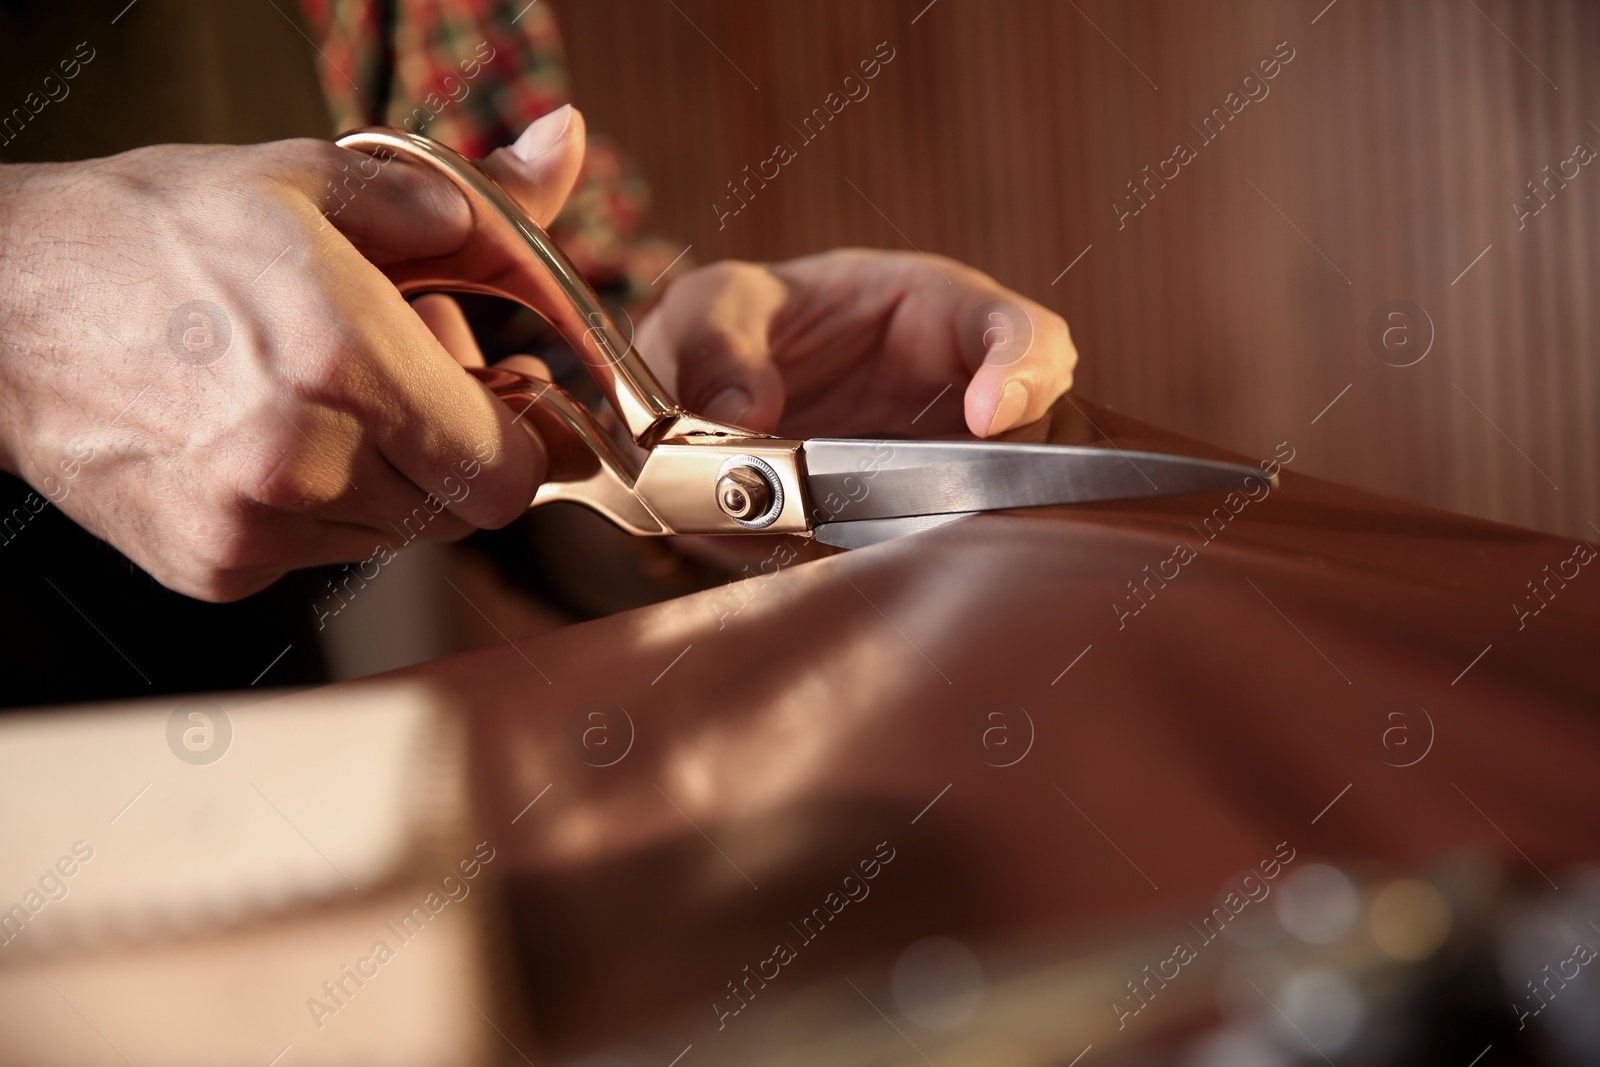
(1024, 359)
(440, 427)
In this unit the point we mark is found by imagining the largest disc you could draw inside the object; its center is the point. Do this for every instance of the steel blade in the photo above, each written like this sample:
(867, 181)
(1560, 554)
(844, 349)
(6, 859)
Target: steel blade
(872, 531)
(852, 481)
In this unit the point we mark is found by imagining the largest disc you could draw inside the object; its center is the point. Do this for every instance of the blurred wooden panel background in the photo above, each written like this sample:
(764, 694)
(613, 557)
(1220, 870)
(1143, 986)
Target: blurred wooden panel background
(1383, 161)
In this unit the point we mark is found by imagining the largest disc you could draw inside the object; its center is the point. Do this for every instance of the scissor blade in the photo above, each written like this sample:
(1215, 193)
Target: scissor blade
(852, 481)
(872, 531)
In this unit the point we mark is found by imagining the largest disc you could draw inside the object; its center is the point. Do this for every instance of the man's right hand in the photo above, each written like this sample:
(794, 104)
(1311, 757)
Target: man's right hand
(202, 362)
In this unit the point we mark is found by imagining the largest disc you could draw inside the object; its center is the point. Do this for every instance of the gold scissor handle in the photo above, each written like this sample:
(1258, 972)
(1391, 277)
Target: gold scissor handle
(690, 481)
(509, 255)
(586, 467)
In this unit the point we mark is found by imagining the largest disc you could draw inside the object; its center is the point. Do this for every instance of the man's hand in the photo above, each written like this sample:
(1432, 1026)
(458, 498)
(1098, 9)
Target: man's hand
(202, 363)
(857, 342)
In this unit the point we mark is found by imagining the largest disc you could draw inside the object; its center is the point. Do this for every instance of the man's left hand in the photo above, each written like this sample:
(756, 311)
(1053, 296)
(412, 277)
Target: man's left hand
(856, 342)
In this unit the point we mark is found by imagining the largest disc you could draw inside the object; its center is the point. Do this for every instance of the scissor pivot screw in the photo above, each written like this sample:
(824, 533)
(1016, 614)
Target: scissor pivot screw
(744, 494)
(749, 491)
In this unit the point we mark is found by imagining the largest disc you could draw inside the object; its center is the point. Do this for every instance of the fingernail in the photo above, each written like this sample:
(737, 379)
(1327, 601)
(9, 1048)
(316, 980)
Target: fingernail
(1013, 402)
(543, 134)
(730, 405)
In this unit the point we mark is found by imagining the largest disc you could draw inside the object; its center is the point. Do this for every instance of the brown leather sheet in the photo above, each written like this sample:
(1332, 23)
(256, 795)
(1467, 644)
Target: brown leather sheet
(1314, 646)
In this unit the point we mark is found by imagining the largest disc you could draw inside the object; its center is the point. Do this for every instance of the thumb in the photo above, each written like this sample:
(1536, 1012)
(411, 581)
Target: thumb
(394, 211)
(540, 168)
(709, 340)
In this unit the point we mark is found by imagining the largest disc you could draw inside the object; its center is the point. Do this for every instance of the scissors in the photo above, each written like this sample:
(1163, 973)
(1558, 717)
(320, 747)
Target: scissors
(703, 477)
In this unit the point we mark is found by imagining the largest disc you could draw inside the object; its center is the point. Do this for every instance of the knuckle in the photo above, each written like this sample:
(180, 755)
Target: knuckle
(333, 372)
(719, 277)
(1057, 324)
(288, 478)
(853, 255)
(917, 264)
(724, 270)
(1061, 347)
